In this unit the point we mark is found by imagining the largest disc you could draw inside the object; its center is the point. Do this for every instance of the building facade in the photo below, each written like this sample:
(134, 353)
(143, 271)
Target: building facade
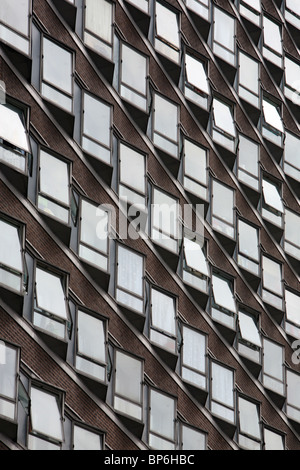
(149, 210)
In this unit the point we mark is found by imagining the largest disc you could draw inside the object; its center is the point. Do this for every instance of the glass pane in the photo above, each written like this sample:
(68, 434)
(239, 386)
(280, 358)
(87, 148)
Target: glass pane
(248, 155)
(249, 418)
(94, 226)
(272, 275)
(86, 440)
(255, 4)
(165, 213)
(294, 6)
(57, 66)
(91, 337)
(34, 443)
(130, 270)
(45, 414)
(8, 371)
(293, 387)
(193, 354)
(222, 384)
(128, 377)
(273, 441)
(292, 73)
(98, 18)
(192, 439)
(163, 312)
(272, 35)
(249, 330)
(272, 115)
(291, 145)
(54, 177)
(223, 117)
(162, 414)
(292, 307)
(271, 195)
(167, 25)
(273, 360)
(134, 69)
(195, 162)
(248, 240)
(132, 168)
(292, 227)
(223, 294)
(194, 257)
(12, 129)
(248, 72)
(166, 118)
(224, 29)
(15, 14)
(96, 119)
(223, 202)
(195, 73)
(10, 246)
(50, 294)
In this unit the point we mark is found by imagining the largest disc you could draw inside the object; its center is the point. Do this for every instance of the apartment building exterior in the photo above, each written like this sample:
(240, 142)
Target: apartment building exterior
(149, 225)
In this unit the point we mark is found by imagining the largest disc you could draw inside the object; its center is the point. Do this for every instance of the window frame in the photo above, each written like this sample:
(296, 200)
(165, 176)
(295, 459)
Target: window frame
(85, 30)
(232, 409)
(89, 429)
(245, 347)
(220, 54)
(190, 275)
(193, 93)
(167, 47)
(291, 326)
(272, 297)
(270, 132)
(203, 374)
(184, 425)
(160, 135)
(292, 17)
(295, 416)
(267, 379)
(247, 261)
(268, 212)
(251, 180)
(295, 171)
(248, 94)
(268, 52)
(295, 251)
(20, 227)
(18, 33)
(219, 135)
(203, 186)
(168, 334)
(150, 431)
(120, 144)
(220, 313)
(221, 221)
(252, 14)
(5, 398)
(249, 440)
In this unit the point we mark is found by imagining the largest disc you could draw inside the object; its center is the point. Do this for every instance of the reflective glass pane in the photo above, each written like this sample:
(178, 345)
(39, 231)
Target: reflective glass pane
(293, 387)
(165, 212)
(292, 302)
(224, 30)
(8, 371)
(57, 66)
(130, 270)
(12, 128)
(273, 359)
(273, 440)
(167, 24)
(195, 162)
(222, 384)
(255, 4)
(50, 294)
(10, 246)
(223, 202)
(134, 69)
(248, 155)
(45, 414)
(291, 146)
(166, 118)
(54, 177)
(272, 35)
(132, 168)
(272, 275)
(94, 226)
(162, 414)
(223, 117)
(248, 329)
(222, 292)
(248, 240)
(98, 18)
(193, 354)
(91, 336)
(192, 439)
(128, 377)
(249, 72)
(272, 196)
(163, 312)
(249, 418)
(86, 440)
(195, 73)
(292, 73)
(294, 6)
(15, 13)
(292, 227)
(96, 120)
(194, 257)
(272, 115)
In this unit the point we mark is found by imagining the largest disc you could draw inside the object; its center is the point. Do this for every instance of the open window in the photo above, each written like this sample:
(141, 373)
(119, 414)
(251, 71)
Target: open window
(223, 124)
(224, 45)
(98, 26)
(15, 24)
(222, 218)
(223, 304)
(200, 7)
(193, 357)
(273, 440)
(165, 132)
(195, 266)
(272, 288)
(9, 369)
(249, 427)
(248, 87)
(273, 368)
(272, 41)
(291, 82)
(165, 220)
(292, 13)
(163, 320)
(292, 234)
(162, 415)
(272, 125)
(12, 261)
(222, 399)
(248, 162)
(291, 164)
(132, 183)
(196, 84)
(249, 342)
(195, 173)
(272, 205)
(248, 255)
(167, 32)
(293, 396)
(292, 313)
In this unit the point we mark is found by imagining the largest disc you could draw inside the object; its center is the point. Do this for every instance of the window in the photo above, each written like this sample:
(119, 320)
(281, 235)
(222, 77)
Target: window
(249, 340)
(201, 7)
(293, 396)
(57, 74)
(11, 255)
(292, 234)
(272, 205)
(193, 357)
(195, 266)
(223, 125)
(141, 4)
(130, 279)
(272, 126)
(196, 86)
(249, 425)
(46, 429)
(292, 12)
(165, 125)
(273, 367)
(163, 329)
(133, 76)
(50, 305)
(192, 439)
(15, 24)
(93, 235)
(195, 179)
(251, 9)
(162, 416)
(54, 186)
(164, 221)
(167, 32)
(292, 314)
(292, 74)
(132, 183)
(248, 79)
(9, 364)
(273, 440)
(14, 140)
(85, 439)
(291, 163)
(272, 41)
(224, 36)
(128, 392)
(248, 247)
(223, 307)
(222, 392)
(96, 128)
(223, 209)
(91, 345)
(98, 21)
(272, 282)
(248, 162)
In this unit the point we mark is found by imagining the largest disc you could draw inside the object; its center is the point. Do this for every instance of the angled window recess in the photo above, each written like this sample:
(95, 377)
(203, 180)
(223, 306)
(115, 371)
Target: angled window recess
(85, 439)
(128, 385)
(163, 316)
(293, 396)
(273, 440)
(249, 424)
(57, 74)
(249, 339)
(273, 367)
(223, 308)
(46, 420)
(223, 125)
(133, 76)
(291, 82)
(248, 247)
(93, 235)
(272, 289)
(272, 205)
(165, 125)
(196, 86)
(201, 7)
(251, 9)
(54, 186)
(11, 256)
(248, 79)
(98, 26)
(292, 234)
(165, 220)
(193, 357)
(162, 410)
(224, 36)
(195, 174)
(167, 32)
(50, 306)
(292, 12)
(90, 356)
(192, 439)
(222, 392)
(130, 279)
(291, 165)
(195, 265)
(14, 140)
(272, 125)
(223, 209)
(272, 41)
(9, 368)
(15, 17)
(248, 162)
(132, 184)
(292, 314)
(96, 128)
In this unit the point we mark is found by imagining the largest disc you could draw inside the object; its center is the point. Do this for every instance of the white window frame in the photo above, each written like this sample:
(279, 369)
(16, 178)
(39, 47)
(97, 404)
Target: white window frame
(223, 311)
(272, 205)
(223, 131)
(196, 270)
(249, 337)
(272, 124)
